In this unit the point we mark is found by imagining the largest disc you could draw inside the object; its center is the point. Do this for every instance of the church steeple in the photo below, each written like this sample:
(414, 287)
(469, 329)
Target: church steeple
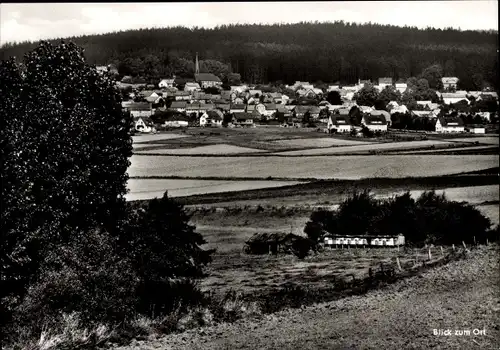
(196, 65)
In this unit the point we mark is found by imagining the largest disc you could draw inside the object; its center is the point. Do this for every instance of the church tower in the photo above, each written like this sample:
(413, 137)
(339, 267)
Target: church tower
(196, 65)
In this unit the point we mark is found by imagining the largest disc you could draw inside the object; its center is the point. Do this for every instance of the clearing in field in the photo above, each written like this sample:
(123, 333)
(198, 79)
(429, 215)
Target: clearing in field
(140, 189)
(368, 147)
(320, 142)
(220, 149)
(320, 167)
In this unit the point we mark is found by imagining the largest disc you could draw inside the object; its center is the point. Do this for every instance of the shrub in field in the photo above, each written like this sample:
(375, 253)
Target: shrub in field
(65, 148)
(164, 249)
(432, 218)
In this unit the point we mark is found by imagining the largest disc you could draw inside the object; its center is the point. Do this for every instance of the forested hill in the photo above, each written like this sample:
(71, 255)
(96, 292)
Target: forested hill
(327, 52)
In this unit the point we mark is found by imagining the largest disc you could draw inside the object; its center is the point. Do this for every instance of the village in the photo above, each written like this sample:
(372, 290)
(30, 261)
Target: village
(202, 102)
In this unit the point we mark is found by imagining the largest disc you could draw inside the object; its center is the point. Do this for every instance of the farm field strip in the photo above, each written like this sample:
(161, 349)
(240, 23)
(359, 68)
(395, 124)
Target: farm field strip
(453, 149)
(156, 137)
(321, 142)
(367, 147)
(491, 140)
(321, 167)
(140, 189)
(219, 149)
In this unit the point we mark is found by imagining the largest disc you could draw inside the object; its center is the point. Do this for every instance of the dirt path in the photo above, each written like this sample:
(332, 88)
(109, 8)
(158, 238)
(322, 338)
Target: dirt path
(463, 295)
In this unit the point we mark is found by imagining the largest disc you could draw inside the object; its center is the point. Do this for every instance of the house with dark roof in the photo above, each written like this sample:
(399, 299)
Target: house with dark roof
(179, 106)
(182, 96)
(374, 122)
(383, 82)
(139, 109)
(212, 118)
(237, 108)
(449, 125)
(176, 121)
(338, 124)
(385, 114)
(192, 87)
(243, 119)
(207, 80)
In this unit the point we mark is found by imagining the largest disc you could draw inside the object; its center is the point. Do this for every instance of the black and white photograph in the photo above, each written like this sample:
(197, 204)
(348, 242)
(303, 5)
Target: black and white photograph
(250, 175)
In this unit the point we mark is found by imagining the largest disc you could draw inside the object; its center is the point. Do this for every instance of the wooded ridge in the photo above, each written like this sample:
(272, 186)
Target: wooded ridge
(329, 52)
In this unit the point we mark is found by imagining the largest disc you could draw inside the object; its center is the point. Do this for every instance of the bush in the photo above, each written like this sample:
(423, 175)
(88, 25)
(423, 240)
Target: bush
(84, 276)
(430, 219)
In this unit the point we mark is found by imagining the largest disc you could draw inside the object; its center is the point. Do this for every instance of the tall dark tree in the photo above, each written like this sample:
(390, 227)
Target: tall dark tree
(65, 149)
(334, 98)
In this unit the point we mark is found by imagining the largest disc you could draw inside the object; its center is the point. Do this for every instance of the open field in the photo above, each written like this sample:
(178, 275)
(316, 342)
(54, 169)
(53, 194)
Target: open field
(489, 140)
(156, 137)
(320, 167)
(219, 149)
(150, 188)
(405, 145)
(258, 138)
(291, 213)
(450, 150)
(322, 142)
(260, 274)
(462, 295)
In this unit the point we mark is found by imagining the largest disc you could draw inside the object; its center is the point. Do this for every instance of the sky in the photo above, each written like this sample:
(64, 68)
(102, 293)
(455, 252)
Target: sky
(35, 21)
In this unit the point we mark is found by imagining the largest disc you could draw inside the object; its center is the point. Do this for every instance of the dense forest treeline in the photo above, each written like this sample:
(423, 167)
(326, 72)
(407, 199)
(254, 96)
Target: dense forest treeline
(329, 52)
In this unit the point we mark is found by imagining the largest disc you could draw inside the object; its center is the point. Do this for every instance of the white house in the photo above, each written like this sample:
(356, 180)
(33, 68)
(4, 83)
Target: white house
(365, 240)
(333, 88)
(212, 118)
(476, 129)
(166, 83)
(449, 125)
(191, 87)
(401, 87)
(449, 98)
(338, 124)
(375, 122)
(383, 82)
(449, 82)
(144, 125)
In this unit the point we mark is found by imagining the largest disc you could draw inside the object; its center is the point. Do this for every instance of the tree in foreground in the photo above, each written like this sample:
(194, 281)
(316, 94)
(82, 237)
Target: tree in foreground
(164, 248)
(65, 147)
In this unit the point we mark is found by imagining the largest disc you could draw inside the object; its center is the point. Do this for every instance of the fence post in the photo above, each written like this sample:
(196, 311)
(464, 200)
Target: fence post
(399, 264)
(442, 252)
(474, 240)
(453, 246)
(487, 241)
(465, 247)
(430, 255)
